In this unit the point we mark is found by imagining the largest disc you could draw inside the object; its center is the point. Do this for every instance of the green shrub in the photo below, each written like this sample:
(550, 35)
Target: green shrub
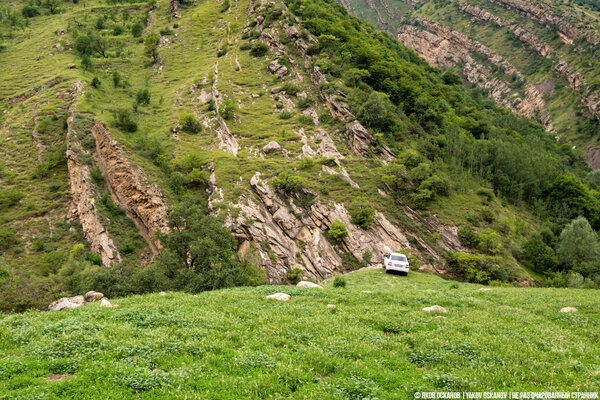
(339, 282)
(190, 124)
(8, 238)
(259, 49)
(287, 182)
(295, 275)
(362, 215)
(285, 115)
(95, 82)
(137, 29)
(143, 96)
(337, 230)
(290, 89)
(467, 237)
(489, 241)
(245, 46)
(225, 6)
(125, 122)
(538, 255)
(10, 197)
(227, 110)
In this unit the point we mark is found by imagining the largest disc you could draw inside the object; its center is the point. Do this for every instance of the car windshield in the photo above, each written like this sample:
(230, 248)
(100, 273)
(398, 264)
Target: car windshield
(398, 258)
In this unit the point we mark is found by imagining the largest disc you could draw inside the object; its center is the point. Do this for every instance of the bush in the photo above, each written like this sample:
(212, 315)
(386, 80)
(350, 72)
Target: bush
(190, 124)
(467, 236)
(227, 110)
(10, 197)
(287, 182)
(143, 96)
(539, 256)
(137, 29)
(337, 230)
(285, 115)
(378, 113)
(362, 215)
(339, 282)
(259, 49)
(95, 82)
(125, 122)
(295, 275)
(116, 78)
(8, 238)
(489, 241)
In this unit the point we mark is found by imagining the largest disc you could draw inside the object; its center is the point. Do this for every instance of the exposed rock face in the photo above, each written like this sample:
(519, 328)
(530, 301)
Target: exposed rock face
(444, 47)
(66, 303)
(227, 141)
(287, 237)
(544, 16)
(143, 202)
(83, 196)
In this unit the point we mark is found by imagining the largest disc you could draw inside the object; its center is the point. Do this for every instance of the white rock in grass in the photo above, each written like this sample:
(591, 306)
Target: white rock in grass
(435, 308)
(271, 147)
(308, 284)
(67, 303)
(162, 294)
(105, 303)
(568, 309)
(330, 305)
(484, 289)
(279, 296)
(366, 291)
(92, 296)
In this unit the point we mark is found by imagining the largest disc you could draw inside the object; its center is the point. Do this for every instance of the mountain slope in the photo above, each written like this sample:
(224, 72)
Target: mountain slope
(115, 113)
(376, 342)
(536, 57)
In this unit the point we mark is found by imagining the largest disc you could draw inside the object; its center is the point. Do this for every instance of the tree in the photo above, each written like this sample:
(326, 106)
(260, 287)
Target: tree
(378, 113)
(578, 243)
(198, 252)
(538, 255)
(337, 230)
(190, 124)
(151, 46)
(567, 191)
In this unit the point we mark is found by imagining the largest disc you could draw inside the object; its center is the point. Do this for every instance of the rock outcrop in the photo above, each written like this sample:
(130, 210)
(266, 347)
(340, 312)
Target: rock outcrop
(93, 296)
(142, 202)
(67, 303)
(279, 296)
(83, 194)
(444, 47)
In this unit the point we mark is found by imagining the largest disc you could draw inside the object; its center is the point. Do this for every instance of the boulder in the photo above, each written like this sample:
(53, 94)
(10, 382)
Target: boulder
(484, 289)
(162, 294)
(67, 303)
(93, 296)
(276, 90)
(435, 308)
(307, 284)
(106, 303)
(271, 147)
(279, 296)
(568, 309)
(330, 305)
(71, 66)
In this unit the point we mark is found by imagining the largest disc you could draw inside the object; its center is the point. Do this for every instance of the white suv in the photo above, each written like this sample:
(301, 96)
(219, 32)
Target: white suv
(395, 262)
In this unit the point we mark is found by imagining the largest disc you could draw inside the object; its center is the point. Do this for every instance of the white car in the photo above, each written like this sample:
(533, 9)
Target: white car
(397, 262)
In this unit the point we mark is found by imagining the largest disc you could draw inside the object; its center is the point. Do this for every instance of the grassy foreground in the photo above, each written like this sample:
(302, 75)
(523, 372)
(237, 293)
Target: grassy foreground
(376, 343)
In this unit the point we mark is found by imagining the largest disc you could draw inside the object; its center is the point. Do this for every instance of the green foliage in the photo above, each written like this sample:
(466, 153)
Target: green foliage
(337, 230)
(478, 269)
(143, 96)
(190, 124)
(339, 282)
(570, 197)
(285, 115)
(287, 182)
(198, 253)
(489, 241)
(95, 82)
(361, 214)
(578, 243)
(10, 197)
(227, 109)
(467, 237)
(378, 113)
(8, 238)
(137, 29)
(295, 275)
(259, 49)
(538, 255)
(151, 47)
(124, 121)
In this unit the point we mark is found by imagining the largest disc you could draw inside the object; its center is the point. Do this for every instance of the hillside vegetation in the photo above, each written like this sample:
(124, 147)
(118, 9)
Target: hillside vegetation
(375, 343)
(272, 140)
(540, 57)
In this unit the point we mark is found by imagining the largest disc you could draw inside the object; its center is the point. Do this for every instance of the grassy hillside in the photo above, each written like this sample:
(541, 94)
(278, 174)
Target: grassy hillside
(375, 343)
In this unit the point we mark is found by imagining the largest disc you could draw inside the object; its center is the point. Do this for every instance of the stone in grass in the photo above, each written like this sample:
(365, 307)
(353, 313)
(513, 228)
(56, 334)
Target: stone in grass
(308, 284)
(93, 296)
(162, 294)
(66, 303)
(106, 303)
(279, 296)
(568, 309)
(484, 289)
(435, 308)
(271, 147)
(330, 305)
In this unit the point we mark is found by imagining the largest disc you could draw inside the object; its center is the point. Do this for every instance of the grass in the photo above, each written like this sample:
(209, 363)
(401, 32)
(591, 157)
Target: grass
(375, 343)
